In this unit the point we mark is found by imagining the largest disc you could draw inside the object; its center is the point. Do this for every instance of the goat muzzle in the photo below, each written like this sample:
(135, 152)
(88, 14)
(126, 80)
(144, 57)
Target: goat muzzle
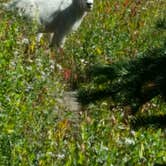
(89, 6)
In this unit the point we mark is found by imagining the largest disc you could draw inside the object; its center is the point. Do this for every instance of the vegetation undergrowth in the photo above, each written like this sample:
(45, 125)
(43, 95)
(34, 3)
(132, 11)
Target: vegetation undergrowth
(37, 129)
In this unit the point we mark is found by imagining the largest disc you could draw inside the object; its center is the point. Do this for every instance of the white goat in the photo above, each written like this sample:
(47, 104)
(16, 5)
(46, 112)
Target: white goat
(57, 17)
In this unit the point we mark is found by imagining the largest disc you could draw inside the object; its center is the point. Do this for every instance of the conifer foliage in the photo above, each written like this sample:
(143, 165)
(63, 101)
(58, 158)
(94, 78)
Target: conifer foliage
(131, 82)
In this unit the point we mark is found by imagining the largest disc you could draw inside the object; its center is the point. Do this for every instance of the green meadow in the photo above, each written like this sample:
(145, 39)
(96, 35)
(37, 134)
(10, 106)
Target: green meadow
(36, 127)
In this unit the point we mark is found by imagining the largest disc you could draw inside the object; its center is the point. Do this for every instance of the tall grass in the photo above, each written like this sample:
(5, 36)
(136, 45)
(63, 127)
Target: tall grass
(36, 129)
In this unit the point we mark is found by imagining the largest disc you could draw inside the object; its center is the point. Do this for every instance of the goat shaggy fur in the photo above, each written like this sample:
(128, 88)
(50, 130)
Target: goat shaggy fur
(57, 17)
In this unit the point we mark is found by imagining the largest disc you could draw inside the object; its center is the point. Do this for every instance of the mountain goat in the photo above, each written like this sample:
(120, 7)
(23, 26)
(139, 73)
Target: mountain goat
(56, 17)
